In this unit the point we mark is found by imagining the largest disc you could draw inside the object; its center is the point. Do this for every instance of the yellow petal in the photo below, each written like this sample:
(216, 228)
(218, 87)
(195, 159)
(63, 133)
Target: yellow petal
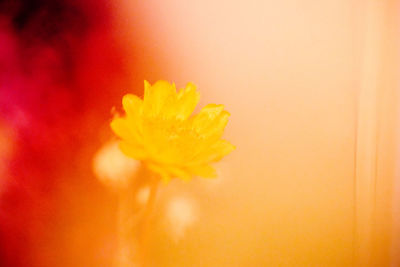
(205, 171)
(127, 129)
(132, 105)
(222, 148)
(165, 176)
(156, 96)
(120, 128)
(179, 173)
(207, 114)
(213, 153)
(132, 151)
(210, 120)
(216, 127)
(147, 86)
(188, 99)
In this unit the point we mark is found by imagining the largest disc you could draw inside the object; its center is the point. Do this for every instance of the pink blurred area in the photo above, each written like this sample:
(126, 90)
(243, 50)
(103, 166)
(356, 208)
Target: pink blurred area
(289, 73)
(61, 72)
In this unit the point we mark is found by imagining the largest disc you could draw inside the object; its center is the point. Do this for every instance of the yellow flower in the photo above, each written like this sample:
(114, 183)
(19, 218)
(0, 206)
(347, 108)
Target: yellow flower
(160, 131)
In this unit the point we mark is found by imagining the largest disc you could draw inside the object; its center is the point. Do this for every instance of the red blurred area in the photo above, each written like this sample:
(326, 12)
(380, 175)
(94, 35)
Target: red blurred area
(61, 70)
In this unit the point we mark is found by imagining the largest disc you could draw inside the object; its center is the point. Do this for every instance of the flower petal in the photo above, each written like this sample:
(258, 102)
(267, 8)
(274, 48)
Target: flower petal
(126, 128)
(205, 171)
(131, 150)
(132, 105)
(213, 153)
(121, 128)
(216, 127)
(179, 173)
(188, 99)
(165, 176)
(156, 96)
(211, 120)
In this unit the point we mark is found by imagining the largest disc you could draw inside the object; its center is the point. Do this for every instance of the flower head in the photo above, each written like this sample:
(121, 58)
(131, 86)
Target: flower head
(161, 131)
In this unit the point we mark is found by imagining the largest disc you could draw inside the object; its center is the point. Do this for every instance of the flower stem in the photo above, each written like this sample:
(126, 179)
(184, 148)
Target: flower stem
(143, 234)
(133, 220)
(150, 202)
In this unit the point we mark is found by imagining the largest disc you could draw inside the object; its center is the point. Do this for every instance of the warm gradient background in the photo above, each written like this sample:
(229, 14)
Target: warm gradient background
(288, 71)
